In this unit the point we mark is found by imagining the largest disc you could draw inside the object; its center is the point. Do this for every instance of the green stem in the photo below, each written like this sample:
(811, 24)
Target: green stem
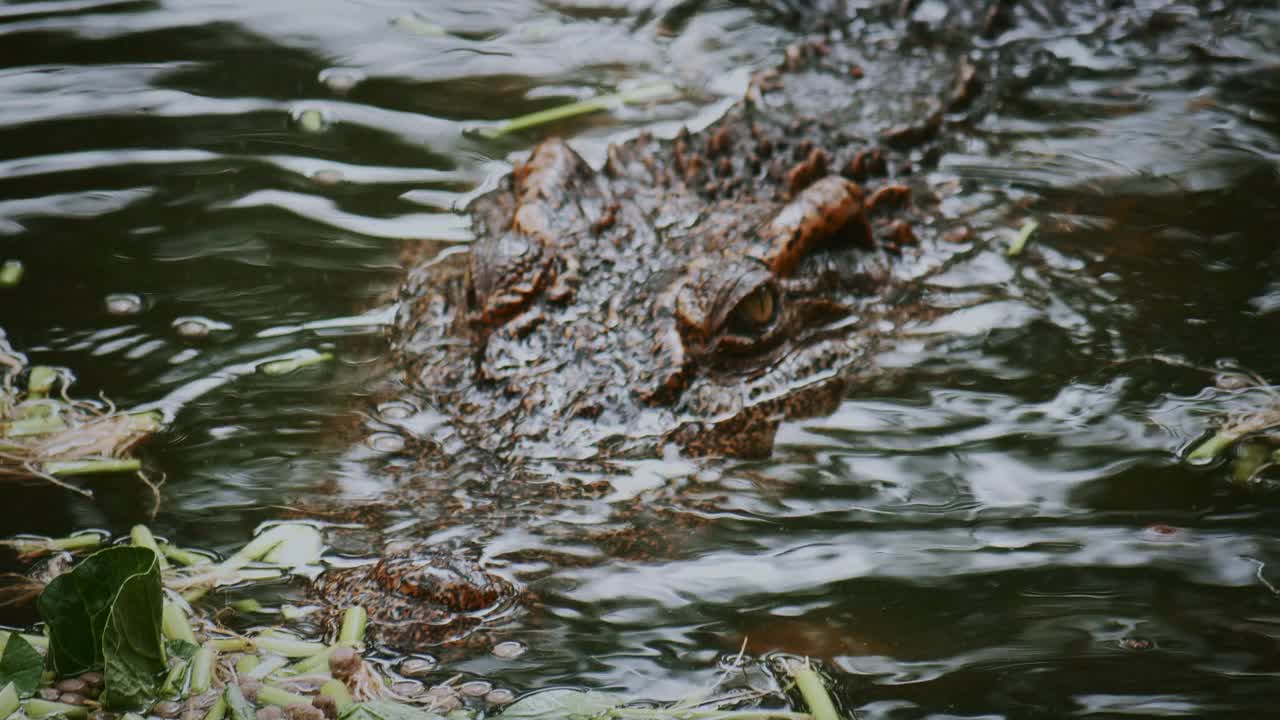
(37, 708)
(268, 695)
(42, 546)
(32, 426)
(1213, 447)
(141, 536)
(234, 644)
(183, 556)
(41, 381)
(8, 701)
(202, 669)
(336, 689)
(814, 693)
(218, 711)
(582, 107)
(237, 705)
(254, 550)
(1024, 234)
(175, 624)
(92, 467)
(354, 621)
(313, 664)
(175, 681)
(289, 365)
(246, 664)
(289, 647)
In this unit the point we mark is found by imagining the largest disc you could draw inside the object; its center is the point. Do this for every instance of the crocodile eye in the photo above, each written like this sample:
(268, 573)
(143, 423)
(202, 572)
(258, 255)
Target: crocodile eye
(754, 312)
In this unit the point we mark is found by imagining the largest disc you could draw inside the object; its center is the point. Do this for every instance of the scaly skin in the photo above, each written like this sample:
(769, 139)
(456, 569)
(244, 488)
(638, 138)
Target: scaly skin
(694, 291)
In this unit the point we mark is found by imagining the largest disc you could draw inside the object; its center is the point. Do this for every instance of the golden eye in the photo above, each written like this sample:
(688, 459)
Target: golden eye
(755, 311)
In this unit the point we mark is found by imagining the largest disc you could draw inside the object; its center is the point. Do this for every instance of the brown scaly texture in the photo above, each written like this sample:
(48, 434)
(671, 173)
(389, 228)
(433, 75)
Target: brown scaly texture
(694, 291)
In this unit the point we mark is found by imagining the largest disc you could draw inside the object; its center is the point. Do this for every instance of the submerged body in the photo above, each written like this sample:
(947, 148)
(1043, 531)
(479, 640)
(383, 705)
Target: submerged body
(694, 292)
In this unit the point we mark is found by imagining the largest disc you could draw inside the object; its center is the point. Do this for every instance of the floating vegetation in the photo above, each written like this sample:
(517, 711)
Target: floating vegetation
(45, 434)
(119, 638)
(418, 26)
(11, 272)
(294, 363)
(643, 93)
(1254, 434)
(1024, 236)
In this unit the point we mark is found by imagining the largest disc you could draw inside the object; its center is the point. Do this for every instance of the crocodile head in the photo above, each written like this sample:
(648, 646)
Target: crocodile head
(696, 290)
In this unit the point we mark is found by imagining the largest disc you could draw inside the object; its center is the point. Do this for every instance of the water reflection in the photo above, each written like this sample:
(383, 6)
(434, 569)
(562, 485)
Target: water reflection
(998, 522)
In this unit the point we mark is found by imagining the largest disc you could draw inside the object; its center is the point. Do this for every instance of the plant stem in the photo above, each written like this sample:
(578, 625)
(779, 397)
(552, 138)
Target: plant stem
(183, 556)
(268, 695)
(582, 107)
(354, 621)
(175, 624)
(240, 708)
(233, 644)
(8, 701)
(814, 692)
(141, 536)
(289, 647)
(38, 708)
(202, 669)
(92, 467)
(1213, 447)
(314, 663)
(1024, 234)
(337, 690)
(218, 711)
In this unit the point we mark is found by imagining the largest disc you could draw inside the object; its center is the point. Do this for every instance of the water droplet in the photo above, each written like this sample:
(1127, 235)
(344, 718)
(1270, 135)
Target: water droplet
(386, 442)
(340, 79)
(509, 650)
(475, 688)
(396, 410)
(191, 329)
(407, 688)
(122, 304)
(311, 120)
(418, 666)
(327, 177)
(499, 696)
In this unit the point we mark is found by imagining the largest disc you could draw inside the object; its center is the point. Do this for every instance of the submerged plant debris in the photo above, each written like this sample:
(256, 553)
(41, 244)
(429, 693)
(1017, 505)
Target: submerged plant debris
(1253, 433)
(127, 629)
(44, 433)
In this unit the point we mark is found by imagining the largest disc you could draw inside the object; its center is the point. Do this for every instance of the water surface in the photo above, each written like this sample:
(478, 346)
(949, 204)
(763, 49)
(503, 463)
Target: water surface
(1002, 526)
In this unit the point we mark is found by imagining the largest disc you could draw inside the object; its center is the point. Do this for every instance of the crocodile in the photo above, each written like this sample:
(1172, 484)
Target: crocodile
(693, 291)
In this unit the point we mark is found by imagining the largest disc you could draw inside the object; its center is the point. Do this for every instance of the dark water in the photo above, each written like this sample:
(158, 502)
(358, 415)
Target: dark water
(1002, 528)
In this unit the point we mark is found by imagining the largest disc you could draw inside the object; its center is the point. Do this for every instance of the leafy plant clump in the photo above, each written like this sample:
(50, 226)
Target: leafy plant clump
(124, 632)
(1253, 433)
(46, 434)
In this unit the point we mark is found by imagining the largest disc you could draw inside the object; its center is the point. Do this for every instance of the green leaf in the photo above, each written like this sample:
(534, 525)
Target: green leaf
(106, 614)
(21, 665)
(383, 710)
(182, 649)
(238, 707)
(132, 642)
(77, 605)
(559, 703)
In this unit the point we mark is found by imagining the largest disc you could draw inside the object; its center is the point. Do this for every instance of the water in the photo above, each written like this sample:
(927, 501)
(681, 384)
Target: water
(1001, 526)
